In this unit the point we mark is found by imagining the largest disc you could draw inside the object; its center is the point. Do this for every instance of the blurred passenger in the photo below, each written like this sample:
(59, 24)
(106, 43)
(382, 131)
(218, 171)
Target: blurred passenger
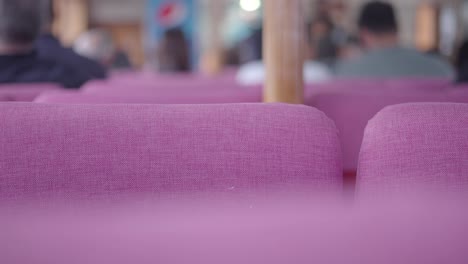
(173, 52)
(251, 48)
(253, 72)
(323, 46)
(385, 58)
(19, 61)
(98, 45)
(50, 48)
(462, 63)
(351, 49)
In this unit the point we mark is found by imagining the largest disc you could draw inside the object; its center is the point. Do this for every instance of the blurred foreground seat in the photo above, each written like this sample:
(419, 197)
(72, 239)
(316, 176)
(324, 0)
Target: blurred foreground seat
(289, 231)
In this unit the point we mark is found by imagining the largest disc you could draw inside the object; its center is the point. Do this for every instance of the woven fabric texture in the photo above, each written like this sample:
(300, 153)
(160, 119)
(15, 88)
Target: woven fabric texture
(413, 146)
(112, 150)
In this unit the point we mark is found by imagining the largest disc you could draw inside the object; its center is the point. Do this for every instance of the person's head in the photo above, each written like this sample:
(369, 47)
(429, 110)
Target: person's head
(378, 25)
(19, 25)
(321, 42)
(173, 52)
(320, 27)
(96, 44)
(174, 34)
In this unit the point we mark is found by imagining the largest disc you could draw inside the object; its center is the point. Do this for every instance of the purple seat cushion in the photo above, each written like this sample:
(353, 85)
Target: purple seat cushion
(165, 150)
(413, 146)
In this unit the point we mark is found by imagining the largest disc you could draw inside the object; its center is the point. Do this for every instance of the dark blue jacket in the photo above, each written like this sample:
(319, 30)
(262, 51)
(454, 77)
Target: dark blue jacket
(50, 48)
(30, 68)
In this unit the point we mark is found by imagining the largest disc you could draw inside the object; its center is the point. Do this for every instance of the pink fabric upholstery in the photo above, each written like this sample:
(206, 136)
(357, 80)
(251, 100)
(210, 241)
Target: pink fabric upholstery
(458, 94)
(352, 104)
(413, 146)
(387, 85)
(291, 232)
(352, 111)
(188, 90)
(23, 92)
(166, 150)
(142, 80)
(153, 97)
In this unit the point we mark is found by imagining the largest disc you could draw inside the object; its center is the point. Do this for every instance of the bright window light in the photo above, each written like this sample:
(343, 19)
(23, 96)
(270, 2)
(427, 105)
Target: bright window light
(250, 5)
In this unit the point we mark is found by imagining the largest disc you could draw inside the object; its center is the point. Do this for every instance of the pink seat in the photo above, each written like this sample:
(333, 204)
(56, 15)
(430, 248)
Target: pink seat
(352, 104)
(165, 150)
(141, 80)
(23, 92)
(413, 146)
(153, 97)
(351, 112)
(387, 85)
(279, 233)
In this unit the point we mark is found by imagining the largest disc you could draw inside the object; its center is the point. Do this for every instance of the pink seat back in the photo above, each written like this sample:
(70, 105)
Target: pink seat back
(23, 92)
(152, 81)
(413, 146)
(387, 85)
(165, 150)
(351, 104)
(149, 97)
(352, 111)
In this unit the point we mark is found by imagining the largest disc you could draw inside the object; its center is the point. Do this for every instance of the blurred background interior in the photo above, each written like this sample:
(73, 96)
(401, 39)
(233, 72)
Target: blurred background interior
(228, 32)
(177, 98)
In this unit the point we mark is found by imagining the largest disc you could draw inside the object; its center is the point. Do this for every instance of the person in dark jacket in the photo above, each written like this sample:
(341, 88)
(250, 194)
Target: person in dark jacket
(50, 48)
(19, 60)
(462, 63)
(173, 52)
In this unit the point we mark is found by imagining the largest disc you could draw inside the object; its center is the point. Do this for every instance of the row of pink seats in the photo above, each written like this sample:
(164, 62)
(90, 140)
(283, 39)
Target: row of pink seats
(349, 103)
(170, 150)
(146, 96)
(24, 92)
(150, 80)
(167, 151)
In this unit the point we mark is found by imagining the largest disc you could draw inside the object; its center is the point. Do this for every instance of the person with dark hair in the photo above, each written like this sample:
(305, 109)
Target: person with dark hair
(322, 44)
(384, 57)
(173, 52)
(462, 63)
(50, 48)
(19, 61)
(251, 48)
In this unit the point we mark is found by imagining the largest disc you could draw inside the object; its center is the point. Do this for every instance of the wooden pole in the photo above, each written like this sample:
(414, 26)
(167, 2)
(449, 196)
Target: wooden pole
(283, 51)
(212, 57)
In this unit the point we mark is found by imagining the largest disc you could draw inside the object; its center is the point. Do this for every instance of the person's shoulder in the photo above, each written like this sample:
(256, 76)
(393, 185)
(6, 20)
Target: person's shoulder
(438, 63)
(61, 73)
(352, 67)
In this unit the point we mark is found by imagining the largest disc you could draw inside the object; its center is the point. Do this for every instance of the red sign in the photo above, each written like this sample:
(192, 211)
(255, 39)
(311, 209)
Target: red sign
(172, 13)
